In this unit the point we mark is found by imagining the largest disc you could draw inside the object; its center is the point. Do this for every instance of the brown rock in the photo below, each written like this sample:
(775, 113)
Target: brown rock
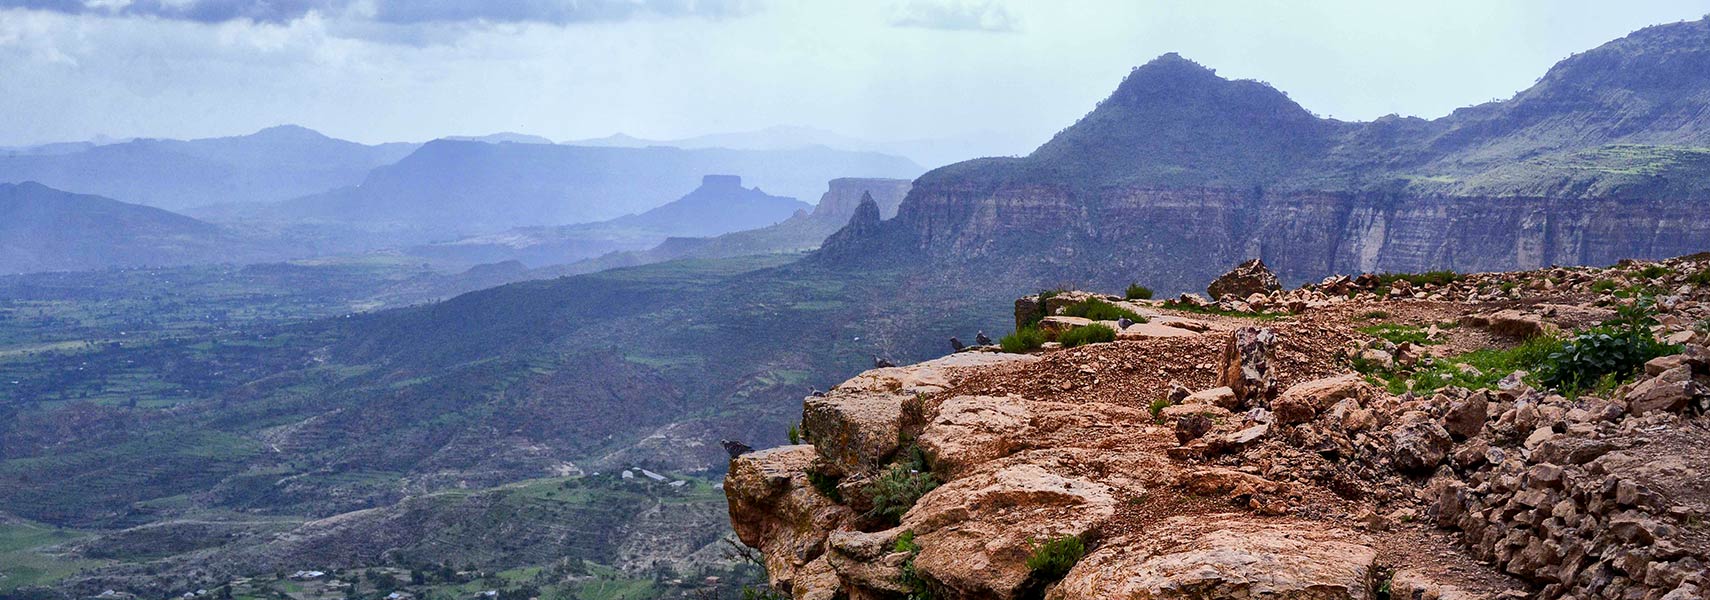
(1418, 442)
(969, 430)
(775, 509)
(1303, 402)
(1465, 417)
(1267, 562)
(1246, 364)
(1246, 279)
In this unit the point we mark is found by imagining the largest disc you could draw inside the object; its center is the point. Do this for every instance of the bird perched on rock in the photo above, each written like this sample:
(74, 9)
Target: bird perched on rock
(813, 391)
(955, 344)
(981, 339)
(880, 363)
(735, 448)
(1123, 323)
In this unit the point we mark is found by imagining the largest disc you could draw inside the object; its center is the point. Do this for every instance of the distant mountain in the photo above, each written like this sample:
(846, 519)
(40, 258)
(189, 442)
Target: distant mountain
(926, 151)
(450, 189)
(718, 206)
(1181, 173)
(501, 138)
(273, 164)
(44, 229)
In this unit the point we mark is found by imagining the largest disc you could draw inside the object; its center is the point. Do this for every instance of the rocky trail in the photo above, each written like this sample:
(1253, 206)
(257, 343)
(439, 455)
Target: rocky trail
(1341, 440)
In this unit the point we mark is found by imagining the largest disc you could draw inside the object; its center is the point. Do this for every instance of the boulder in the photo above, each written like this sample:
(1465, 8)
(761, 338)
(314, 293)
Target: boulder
(1250, 562)
(1222, 397)
(1671, 391)
(1418, 443)
(970, 430)
(1465, 417)
(1246, 365)
(774, 508)
(1511, 322)
(1246, 279)
(1303, 402)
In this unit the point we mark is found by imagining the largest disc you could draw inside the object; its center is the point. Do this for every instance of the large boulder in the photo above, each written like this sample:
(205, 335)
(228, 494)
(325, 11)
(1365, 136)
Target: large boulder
(1246, 364)
(1419, 443)
(774, 508)
(970, 430)
(1303, 402)
(1246, 279)
(1250, 562)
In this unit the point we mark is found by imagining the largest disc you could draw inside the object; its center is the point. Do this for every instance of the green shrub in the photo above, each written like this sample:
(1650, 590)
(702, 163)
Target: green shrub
(1604, 285)
(826, 484)
(1136, 291)
(1615, 349)
(897, 489)
(1090, 334)
(1397, 333)
(1157, 408)
(1023, 340)
(1053, 559)
(1489, 366)
(1655, 271)
(795, 434)
(1699, 278)
(1444, 277)
(1374, 315)
(1099, 310)
(905, 543)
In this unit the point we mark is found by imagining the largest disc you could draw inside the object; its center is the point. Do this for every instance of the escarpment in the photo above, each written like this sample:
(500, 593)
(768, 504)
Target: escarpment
(1536, 434)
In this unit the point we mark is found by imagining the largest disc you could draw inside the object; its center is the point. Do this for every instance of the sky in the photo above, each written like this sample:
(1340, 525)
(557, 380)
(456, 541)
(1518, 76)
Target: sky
(412, 70)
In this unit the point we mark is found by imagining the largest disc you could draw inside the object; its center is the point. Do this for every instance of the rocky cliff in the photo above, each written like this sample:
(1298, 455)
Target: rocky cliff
(1356, 438)
(1181, 172)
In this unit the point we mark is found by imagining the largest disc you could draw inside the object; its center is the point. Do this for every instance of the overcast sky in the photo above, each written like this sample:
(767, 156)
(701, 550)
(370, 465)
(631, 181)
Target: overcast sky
(384, 70)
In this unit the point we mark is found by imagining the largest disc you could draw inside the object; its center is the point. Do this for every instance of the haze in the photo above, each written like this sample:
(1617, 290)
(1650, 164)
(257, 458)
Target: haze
(384, 70)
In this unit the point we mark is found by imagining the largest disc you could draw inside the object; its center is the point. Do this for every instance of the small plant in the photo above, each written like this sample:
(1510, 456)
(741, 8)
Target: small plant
(1136, 291)
(1609, 351)
(1655, 271)
(1157, 408)
(1099, 310)
(1053, 559)
(1023, 340)
(1090, 334)
(1508, 286)
(1699, 278)
(896, 490)
(1374, 315)
(905, 543)
(826, 484)
(1604, 286)
(795, 434)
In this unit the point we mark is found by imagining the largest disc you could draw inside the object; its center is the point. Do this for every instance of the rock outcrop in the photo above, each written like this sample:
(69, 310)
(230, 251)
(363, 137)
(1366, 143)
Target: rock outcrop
(1247, 461)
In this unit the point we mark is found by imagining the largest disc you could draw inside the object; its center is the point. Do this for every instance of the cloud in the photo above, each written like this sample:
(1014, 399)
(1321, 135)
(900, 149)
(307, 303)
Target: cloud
(201, 11)
(557, 12)
(954, 15)
(395, 12)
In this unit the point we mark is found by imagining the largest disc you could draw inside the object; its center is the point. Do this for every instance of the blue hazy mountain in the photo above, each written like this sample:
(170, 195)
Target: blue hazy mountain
(44, 229)
(273, 164)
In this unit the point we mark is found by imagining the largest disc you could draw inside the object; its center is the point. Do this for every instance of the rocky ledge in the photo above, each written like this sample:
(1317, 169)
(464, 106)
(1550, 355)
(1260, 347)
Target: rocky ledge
(1334, 441)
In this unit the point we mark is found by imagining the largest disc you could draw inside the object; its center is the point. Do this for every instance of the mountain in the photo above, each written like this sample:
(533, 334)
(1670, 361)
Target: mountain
(1180, 173)
(502, 137)
(44, 229)
(931, 151)
(276, 163)
(718, 206)
(451, 189)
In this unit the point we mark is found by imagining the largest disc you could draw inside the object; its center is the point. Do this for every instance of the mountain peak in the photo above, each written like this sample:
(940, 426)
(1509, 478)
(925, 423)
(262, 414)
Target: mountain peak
(289, 131)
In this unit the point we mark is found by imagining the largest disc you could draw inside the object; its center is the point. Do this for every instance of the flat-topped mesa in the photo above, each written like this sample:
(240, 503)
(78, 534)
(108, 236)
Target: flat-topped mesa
(1271, 453)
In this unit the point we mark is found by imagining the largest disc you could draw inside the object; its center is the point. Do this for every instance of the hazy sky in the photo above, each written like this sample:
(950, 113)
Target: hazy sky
(381, 70)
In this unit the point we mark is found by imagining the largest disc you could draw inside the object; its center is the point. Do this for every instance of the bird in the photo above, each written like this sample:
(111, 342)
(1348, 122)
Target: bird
(981, 339)
(880, 363)
(1123, 323)
(955, 344)
(813, 391)
(735, 448)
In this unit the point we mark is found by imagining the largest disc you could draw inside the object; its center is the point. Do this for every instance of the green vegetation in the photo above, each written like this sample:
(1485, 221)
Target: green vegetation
(1606, 354)
(1604, 285)
(898, 487)
(1099, 310)
(1023, 340)
(1438, 278)
(1136, 291)
(25, 558)
(1699, 278)
(1212, 309)
(910, 578)
(1052, 560)
(1398, 333)
(1157, 408)
(826, 484)
(794, 434)
(905, 543)
(1654, 271)
(1089, 334)
(1373, 315)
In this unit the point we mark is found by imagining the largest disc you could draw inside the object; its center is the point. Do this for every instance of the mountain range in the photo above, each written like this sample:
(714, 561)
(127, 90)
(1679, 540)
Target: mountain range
(720, 205)
(44, 229)
(449, 189)
(926, 151)
(276, 163)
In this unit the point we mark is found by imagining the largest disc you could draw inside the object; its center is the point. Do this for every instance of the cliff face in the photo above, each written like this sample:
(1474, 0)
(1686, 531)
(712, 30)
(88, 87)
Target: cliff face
(1269, 455)
(839, 202)
(1175, 239)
